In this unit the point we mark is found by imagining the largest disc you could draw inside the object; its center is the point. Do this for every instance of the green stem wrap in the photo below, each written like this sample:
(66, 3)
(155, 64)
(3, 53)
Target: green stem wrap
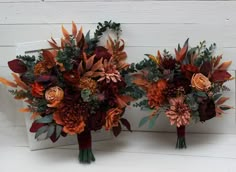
(85, 147)
(181, 143)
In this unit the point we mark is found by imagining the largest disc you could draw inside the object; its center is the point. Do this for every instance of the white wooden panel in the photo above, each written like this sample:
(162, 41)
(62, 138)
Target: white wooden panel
(134, 34)
(137, 12)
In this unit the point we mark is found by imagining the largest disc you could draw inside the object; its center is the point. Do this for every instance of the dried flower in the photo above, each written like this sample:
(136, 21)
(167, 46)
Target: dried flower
(40, 68)
(72, 77)
(155, 93)
(200, 82)
(168, 63)
(179, 112)
(54, 96)
(88, 83)
(71, 117)
(37, 90)
(110, 72)
(112, 118)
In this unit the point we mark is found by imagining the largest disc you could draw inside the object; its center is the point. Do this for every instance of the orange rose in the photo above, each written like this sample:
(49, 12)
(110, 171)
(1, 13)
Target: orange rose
(112, 118)
(200, 82)
(54, 95)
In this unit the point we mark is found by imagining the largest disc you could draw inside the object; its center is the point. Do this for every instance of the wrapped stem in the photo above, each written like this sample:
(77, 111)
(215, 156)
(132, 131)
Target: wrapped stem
(85, 147)
(181, 143)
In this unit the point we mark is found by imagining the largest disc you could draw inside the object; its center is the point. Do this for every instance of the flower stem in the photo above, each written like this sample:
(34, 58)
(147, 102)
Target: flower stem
(181, 143)
(85, 147)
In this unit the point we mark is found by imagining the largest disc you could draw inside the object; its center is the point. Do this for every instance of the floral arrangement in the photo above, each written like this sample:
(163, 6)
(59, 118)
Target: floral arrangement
(185, 87)
(75, 87)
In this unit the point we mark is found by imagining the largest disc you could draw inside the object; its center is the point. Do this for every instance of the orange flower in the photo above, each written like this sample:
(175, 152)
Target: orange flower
(37, 90)
(112, 118)
(70, 119)
(200, 82)
(40, 68)
(155, 93)
(87, 83)
(179, 112)
(54, 95)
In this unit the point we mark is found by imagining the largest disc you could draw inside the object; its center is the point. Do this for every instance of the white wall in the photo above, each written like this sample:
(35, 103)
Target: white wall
(147, 26)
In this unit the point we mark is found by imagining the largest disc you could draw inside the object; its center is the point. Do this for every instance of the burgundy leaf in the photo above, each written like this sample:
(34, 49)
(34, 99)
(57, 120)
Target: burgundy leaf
(102, 52)
(17, 66)
(63, 134)
(206, 68)
(220, 76)
(126, 123)
(53, 137)
(35, 126)
(116, 130)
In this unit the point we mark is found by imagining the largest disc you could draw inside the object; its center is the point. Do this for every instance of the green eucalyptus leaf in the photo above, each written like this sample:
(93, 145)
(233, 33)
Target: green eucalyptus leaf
(85, 94)
(224, 108)
(51, 130)
(216, 96)
(201, 94)
(58, 130)
(46, 119)
(153, 121)
(41, 130)
(143, 121)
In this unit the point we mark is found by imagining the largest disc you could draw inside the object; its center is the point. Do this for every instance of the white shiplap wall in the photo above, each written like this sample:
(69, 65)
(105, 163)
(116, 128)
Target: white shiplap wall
(147, 26)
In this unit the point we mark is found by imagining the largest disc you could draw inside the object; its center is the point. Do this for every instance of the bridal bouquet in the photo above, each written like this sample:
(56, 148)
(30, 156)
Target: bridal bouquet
(75, 87)
(184, 87)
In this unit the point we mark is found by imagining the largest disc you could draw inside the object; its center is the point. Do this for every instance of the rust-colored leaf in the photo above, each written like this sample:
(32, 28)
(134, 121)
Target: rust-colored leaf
(97, 74)
(19, 82)
(24, 110)
(7, 82)
(53, 45)
(79, 35)
(123, 100)
(98, 65)
(180, 55)
(111, 41)
(63, 44)
(218, 58)
(218, 111)
(222, 100)
(34, 115)
(88, 74)
(81, 70)
(74, 29)
(48, 55)
(224, 65)
(65, 32)
(89, 62)
(141, 81)
(121, 48)
(153, 58)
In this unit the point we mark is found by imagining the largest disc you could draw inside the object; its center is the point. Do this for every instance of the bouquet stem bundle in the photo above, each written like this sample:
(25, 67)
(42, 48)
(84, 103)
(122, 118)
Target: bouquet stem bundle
(85, 147)
(181, 143)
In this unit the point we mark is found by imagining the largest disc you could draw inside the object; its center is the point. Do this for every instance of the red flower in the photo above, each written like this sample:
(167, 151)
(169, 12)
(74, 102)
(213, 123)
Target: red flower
(72, 77)
(188, 70)
(37, 89)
